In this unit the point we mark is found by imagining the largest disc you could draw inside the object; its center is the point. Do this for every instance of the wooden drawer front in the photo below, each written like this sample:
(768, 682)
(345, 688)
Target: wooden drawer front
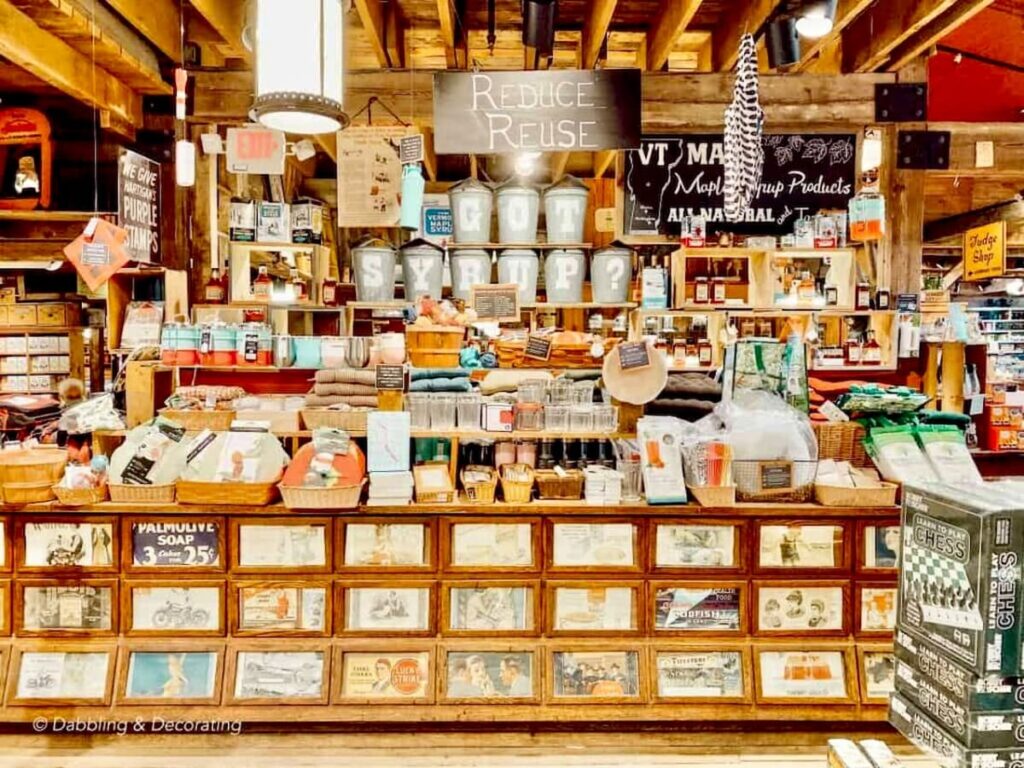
(52, 314)
(22, 314)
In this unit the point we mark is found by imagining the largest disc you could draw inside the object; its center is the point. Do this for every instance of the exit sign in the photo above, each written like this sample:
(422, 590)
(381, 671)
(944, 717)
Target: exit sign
(255, 150)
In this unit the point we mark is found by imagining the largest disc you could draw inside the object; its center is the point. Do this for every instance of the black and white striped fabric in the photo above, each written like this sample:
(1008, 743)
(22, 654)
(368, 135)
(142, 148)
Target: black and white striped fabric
(744, 123)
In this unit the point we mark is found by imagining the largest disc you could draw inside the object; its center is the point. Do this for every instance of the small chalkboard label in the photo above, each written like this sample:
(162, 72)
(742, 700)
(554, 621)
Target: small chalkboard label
(410, 149)
(496, 303)
(908, 302)
(538, 348)
(205, 340)
(95, 255)
(391, 378)
(633, 355)
(252, 348)
(776, 476)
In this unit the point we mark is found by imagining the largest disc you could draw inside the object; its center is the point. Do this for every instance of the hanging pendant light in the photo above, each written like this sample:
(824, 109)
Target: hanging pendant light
(816, 18)
(299, 60)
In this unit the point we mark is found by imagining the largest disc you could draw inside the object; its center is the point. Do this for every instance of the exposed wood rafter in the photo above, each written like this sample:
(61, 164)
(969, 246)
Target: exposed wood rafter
(452, 35)
(603, 161)
(733, 26)
(932, 33)
(157, 20)
(673, 17)
(595, 28)
(846, 12)
(55, 62)
(952, 226)
(383, 25)
(559, 162)
(869, 41)
(227, 19)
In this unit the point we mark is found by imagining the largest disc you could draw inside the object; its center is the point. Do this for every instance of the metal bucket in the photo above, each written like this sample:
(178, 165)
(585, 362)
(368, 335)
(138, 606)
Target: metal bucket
(564, 271)
(469, 268)
(520, 267)
(518, 210)
(373, 270)
(611, 273)
(472, 203)
(565, 210)
(422, 269)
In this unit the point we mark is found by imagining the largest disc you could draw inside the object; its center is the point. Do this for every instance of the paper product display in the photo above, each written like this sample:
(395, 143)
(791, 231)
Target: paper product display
(151, 454)
(660, 438)
(236, 457)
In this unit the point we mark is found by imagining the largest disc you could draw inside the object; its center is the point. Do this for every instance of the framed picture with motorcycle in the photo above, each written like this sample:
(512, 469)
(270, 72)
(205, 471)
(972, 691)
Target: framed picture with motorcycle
(183, 608)
(173, 545)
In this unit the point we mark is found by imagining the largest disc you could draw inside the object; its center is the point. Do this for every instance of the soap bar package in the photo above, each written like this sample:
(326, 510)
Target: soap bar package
(307, 221)
(960, 575)
(919, 662)
(913, 723)
(273, 223)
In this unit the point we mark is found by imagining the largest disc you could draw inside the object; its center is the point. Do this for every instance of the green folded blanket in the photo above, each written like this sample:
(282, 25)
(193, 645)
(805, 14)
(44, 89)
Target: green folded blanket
(420, 374)
(462, 384)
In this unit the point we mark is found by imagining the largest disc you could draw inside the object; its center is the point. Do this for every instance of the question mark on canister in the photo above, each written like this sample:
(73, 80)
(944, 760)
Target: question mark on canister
(616, 269)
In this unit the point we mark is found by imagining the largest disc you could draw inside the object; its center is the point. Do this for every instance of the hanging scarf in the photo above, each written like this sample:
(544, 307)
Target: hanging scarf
(744, 122)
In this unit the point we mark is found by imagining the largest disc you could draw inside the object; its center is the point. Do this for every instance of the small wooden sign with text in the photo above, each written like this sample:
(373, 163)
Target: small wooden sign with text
(985, 251)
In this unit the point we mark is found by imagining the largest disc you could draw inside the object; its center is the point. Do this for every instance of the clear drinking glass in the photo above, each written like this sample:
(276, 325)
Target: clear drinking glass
(531, 391)
(583, 392)
(556, 418)
(469, 405)
(632, 474)
(560, 392)
(418, 405)
(581, 419)
(606, 418)
(442, 412)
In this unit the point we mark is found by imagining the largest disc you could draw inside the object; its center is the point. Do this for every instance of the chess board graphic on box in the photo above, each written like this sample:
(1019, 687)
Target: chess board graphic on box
(935, 577)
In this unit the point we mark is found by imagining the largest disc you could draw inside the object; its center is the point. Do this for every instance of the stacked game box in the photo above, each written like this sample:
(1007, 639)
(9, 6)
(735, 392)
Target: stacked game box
(959, 677)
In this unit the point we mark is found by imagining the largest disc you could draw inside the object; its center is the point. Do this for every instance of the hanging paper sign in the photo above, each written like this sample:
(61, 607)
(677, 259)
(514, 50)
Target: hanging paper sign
(555, 110)
(138, 205)
(411, 149)
(985, 251)
(98, 257)
(255, 150)
(672, 178)
(369, 176)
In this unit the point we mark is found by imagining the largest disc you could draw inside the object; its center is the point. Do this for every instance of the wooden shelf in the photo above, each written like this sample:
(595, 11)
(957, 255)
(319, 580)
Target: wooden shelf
(521, 246)
(53, 216)
(245, 246)
(39, 329)
(580, 305)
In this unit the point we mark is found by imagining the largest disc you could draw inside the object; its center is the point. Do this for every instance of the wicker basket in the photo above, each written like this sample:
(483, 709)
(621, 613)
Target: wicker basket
(28, 476)
(197, 421)
(141, 494)
(480, 491)
(836, 496)
(842, 441)
(774, 481)
(80, 497)
(434, 346)
(350, 421)
(511, 354)
(714, 495)
(233, 494)
(339, 497)
(517, 491)
(552, 485)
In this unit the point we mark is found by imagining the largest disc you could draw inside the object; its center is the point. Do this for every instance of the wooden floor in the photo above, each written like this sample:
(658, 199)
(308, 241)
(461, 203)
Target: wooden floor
(434, 750)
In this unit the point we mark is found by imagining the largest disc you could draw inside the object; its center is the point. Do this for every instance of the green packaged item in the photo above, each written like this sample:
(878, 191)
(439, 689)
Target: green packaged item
(873, 398)
(947, 450)
(898, 455)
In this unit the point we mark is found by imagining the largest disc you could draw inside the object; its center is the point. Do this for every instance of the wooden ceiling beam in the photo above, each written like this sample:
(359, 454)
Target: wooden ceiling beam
(930, 34)
(603, 161)
(227, 19)
(951, 226)
(383, 25)
(595, 28)
(733, 26)
(158, 21)
(451, 35)
(55, 62)
(559, 162)
(673, 18)
(846, 12)
(869, 40)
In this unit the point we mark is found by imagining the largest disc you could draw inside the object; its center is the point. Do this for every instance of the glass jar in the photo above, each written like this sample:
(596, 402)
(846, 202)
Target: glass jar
(442, 412)
(556, 418)
(581, 418)
(418, 405)
(262, 286)
(546, 458)
(468, 406)
(504, 453)
(526, 452)
(214, 292)
(718, 290)
(529, 417)
(701, 291)
(606, 418)
(560, 392)
(531, 391)
(583, 392)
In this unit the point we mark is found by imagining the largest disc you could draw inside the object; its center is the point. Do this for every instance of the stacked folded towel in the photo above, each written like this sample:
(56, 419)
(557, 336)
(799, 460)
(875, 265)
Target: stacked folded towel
(440, 380)
(350, 386)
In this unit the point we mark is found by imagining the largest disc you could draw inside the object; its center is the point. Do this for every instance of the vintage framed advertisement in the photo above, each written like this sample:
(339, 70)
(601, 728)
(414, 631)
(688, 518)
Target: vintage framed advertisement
(189, 608)
(877, 673)
(264, 674)
(696, 675)
(394, 607)
(387, 675)
(490, 674)
(281, 608)
(6, 560)
(789, 546)
(589, 546)
(696, 546)
(74, 675)
(801, 608)
(696, 608)
(170, 674)
(511, 545)
(879, 546)
(596, 675)
(174, 545)
(267, 545)
(6, 607)
(378, 545)
(489, 608)
(66, 608)
(875, 609)
(47, 544)
(590, 608)
(801, 676)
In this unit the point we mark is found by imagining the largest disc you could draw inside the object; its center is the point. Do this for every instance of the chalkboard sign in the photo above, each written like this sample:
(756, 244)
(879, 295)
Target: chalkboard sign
(410, 149)
(391, 378)
(138, 205)
(908, 302)
(192, 544)
(496, 303)
(673, 177)
(776, 476)
(555, 110)
(538, 348)
(634, 355)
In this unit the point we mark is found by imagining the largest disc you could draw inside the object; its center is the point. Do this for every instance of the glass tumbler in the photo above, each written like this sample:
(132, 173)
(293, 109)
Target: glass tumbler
(531, 391)
(632, 473)
(606, 418)
(583, 392)
(560, 392)
(556, 418)
(442, 412)
(581, 419)
(418, 405)
(468, 406)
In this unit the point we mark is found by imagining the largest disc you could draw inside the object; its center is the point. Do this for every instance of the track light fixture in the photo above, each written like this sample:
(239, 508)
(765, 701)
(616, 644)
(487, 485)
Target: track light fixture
(539, 25)
(782, 42)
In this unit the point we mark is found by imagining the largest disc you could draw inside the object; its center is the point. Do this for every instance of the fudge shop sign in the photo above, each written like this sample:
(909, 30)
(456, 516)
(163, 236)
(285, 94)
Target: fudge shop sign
(671, 178)
(542, 111)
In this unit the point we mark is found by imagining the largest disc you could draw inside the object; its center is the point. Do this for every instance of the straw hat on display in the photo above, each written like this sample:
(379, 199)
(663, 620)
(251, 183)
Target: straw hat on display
(636, 386)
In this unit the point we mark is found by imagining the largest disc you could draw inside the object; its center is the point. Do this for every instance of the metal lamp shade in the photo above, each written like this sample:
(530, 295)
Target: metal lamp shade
(299, 62)
(782, 43)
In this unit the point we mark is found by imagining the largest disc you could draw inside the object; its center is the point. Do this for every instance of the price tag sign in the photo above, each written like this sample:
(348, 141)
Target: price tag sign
(538, 348)
(391, 378)
(497, 303)
(410, 149)
(776, 476)
(908, 302)
(634, 355)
